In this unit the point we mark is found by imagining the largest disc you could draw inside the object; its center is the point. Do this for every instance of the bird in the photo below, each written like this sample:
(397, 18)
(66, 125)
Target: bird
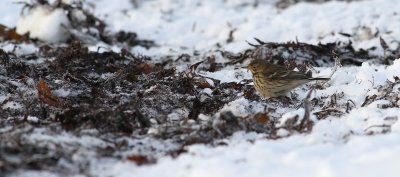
(272, 80)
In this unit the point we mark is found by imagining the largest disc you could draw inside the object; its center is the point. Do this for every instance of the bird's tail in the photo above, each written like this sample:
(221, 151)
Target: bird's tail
(319, 78)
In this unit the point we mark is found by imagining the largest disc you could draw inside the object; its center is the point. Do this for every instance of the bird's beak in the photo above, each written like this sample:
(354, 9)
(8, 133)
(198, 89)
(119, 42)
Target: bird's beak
(247, 67)
(244, 67)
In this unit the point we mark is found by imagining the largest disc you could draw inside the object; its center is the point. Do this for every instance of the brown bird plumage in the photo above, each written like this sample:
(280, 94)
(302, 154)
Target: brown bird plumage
(273, 80)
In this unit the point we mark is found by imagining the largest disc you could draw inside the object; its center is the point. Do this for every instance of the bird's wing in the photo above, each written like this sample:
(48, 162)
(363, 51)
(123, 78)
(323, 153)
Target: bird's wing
(279, 72)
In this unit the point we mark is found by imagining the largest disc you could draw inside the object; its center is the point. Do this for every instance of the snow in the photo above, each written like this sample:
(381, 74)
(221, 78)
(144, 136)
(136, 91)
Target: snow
(355, 144)
(45, 23)
(293, 156)
(201, 25)
(336, 146)
(290, 115)
(33, 173)
(227, 76)
(12, 105)
(20, 49)
(61, 92)
(39, 136)
(3, 97)
(9, 9)
(33, 119)
(241, 107)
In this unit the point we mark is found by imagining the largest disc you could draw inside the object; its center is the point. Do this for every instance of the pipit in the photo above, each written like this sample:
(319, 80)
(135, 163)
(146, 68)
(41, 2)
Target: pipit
(273, 80)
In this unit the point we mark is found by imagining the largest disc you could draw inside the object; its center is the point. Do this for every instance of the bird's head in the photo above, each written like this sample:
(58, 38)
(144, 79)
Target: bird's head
(257, 65)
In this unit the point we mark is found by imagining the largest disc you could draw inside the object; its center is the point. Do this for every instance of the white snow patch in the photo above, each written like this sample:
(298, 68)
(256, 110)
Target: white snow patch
(33, 119)
(290, 115)
(228, 75)
(33, 173)
(62, 92)
(12, 105)
(196, 25)
(177, 114)
(3, 98)
(207, 91)
(20, 49)
(203, 117)
(150, 89)
(45, 23)
(39, 136)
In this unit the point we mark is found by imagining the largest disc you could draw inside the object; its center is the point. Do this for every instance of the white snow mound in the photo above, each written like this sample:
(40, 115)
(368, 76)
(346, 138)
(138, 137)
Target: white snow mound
(44, 23)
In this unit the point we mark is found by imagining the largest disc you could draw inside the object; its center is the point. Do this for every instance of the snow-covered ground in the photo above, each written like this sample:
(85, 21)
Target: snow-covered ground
(363, 142)
(200, 25)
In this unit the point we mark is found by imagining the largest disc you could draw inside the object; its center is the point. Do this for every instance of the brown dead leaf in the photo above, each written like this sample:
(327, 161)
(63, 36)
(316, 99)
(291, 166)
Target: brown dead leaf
(140, 159)
(202, 83)
(261, 117)
(120, 72)
(46, 96)
(248, 93)
(7, 34)
(148, 68)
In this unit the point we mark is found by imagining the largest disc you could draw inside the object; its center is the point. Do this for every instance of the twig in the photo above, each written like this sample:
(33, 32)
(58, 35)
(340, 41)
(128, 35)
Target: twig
(337, 63)
(379, 126)
(348, 107)
(259, 41)
(306, 123)
(385, 50)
